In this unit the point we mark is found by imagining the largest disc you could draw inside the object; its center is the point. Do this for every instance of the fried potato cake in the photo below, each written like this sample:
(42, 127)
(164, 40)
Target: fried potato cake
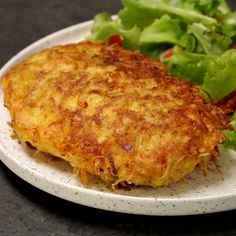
(112, 113)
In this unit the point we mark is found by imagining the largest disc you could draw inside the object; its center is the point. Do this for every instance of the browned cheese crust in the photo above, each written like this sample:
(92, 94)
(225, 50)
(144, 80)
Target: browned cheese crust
(112, 113)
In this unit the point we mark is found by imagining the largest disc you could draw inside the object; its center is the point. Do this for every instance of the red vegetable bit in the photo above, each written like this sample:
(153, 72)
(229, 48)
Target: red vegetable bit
(166, 54)
(118, 39)
(234, 46)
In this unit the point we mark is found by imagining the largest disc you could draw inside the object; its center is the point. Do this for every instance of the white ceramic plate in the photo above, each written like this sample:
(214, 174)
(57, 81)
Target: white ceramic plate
(198, 194)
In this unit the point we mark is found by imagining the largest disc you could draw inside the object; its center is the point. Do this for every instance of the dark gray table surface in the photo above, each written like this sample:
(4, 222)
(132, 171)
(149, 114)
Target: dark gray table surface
(25, 210)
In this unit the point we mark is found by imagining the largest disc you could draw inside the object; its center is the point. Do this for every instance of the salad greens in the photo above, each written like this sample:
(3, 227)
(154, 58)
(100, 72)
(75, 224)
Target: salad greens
(221, 81)
(231, 141)
(163, 30)
(185, 65)
(202, 34)
(104, 27)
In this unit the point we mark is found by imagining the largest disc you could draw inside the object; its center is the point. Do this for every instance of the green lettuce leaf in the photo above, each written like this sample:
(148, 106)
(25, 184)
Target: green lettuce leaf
(230, 142)
(154, 50)
(157, 8)
(99, 21)
(211, 8)
(163, 30)
(189, 41)
(223, 8)
(229, 25)
(216, 73)
(187, 65)
(206, 7)
(132, 16)
(220, 77)
(104, 27)
(212, 42)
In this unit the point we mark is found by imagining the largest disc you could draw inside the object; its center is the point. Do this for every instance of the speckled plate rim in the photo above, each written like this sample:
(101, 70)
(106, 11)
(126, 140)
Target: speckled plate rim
(95, 198)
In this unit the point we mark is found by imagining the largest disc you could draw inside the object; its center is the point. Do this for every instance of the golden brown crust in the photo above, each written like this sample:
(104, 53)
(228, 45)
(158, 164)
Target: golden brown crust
(112, 113)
